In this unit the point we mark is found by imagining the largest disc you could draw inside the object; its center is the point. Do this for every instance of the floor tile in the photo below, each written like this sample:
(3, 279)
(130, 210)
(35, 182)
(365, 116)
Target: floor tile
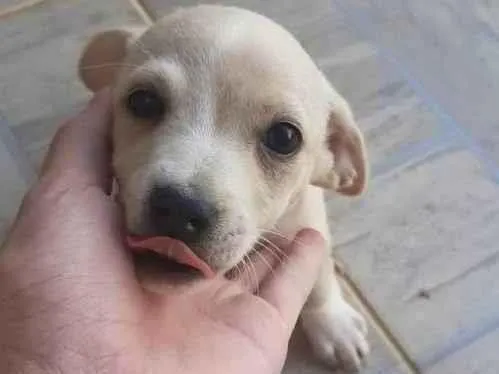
(448, 49)
(396, 123)
(6, 6)
(422, 245)
(34, 136)
(15, 179)
(286, 12)
(38, 59)
(479, 357)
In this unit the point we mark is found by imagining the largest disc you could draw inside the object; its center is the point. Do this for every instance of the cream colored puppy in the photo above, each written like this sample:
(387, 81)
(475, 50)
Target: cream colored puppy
(225, 131)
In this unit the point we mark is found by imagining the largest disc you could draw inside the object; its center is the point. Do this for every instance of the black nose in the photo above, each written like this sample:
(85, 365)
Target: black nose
(175, 214)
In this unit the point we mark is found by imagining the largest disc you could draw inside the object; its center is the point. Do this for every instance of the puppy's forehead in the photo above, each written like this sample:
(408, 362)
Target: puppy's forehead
(206, 28)
(234, 42)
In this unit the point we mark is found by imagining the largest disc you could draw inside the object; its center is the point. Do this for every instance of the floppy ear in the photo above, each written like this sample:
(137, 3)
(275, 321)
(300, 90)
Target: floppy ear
(101, 58)
(345, 168)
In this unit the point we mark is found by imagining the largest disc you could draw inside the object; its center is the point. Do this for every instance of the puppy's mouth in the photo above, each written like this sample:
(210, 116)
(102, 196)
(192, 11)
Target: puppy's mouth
(172, 254)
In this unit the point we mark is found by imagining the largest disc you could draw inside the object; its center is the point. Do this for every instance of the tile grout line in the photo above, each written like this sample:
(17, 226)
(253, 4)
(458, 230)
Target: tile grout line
(379, 325)
(139, 6)
(13, 9)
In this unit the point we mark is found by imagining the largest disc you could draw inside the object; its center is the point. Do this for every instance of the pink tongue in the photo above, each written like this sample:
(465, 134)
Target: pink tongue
(171, 248)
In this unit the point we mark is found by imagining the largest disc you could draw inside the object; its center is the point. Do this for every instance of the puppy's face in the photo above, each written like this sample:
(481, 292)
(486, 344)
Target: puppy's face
(221, 121)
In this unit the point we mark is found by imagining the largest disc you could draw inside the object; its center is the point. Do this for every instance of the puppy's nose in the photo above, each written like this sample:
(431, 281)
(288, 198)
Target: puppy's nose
(177, 215)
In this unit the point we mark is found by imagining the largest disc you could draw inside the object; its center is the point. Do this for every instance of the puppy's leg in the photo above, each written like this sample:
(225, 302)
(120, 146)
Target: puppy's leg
(336, 331)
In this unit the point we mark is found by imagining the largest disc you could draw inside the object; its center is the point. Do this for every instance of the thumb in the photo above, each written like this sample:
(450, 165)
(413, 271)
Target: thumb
(288, 287)
(81, 147)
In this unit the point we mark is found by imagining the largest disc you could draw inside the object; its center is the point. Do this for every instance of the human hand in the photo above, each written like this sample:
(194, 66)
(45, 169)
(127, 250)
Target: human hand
(70, 301)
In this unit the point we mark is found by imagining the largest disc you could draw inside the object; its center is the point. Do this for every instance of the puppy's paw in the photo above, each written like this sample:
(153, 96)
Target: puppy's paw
(338, 335)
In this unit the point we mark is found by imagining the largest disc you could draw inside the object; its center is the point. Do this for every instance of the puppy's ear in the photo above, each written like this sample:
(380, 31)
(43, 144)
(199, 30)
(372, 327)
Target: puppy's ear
(344, 167)
(101, 58)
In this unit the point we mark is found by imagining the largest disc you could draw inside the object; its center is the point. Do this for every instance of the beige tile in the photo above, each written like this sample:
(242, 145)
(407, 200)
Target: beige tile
(15, 179)
(4, 4)
(402, 131)
(38, 57)
(314, 23)
(281, 11)
(34, 137)
(8, 6)
(450, 49)
(423, 245)
(396, 122)
(480, 357)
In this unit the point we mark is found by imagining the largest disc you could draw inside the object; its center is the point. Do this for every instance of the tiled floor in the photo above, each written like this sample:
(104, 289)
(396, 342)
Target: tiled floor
(421, 248)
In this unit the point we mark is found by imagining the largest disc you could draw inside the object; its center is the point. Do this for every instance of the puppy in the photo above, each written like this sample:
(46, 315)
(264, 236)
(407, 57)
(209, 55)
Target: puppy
(224, 131)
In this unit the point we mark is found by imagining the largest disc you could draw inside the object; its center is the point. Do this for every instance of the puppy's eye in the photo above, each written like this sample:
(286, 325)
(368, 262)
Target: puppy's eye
(145, 104)
(283, 138)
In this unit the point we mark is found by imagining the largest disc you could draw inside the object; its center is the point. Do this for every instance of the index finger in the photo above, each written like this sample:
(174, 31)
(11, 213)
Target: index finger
(80, 150)
(288, 287)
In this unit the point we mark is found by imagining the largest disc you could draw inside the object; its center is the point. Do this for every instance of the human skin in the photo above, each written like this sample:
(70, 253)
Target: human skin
(70, 301)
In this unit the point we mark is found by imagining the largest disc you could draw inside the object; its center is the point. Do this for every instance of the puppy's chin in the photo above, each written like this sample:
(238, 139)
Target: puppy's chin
(223, 255)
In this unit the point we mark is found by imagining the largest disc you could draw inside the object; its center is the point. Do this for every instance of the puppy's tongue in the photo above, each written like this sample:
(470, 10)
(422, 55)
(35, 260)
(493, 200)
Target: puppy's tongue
(170, 248)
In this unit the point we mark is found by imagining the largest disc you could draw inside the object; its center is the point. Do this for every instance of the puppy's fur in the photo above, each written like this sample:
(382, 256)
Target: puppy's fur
(226, 74)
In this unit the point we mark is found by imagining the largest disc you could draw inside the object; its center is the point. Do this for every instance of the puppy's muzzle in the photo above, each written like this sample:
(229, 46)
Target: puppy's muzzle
(174, 213)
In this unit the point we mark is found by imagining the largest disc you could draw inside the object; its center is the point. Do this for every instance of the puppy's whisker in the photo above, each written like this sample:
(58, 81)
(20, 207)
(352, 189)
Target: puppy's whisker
(108, 65)
(277, 233)
(280, 257)
(262, 257)
(252, 272)
(281, 260)
(273, 245)
(245, 271)
(263, 245)
(264, 260)
(275, 249)
(241, 266)
(283, 236)
(238, 272)
(257, 282)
